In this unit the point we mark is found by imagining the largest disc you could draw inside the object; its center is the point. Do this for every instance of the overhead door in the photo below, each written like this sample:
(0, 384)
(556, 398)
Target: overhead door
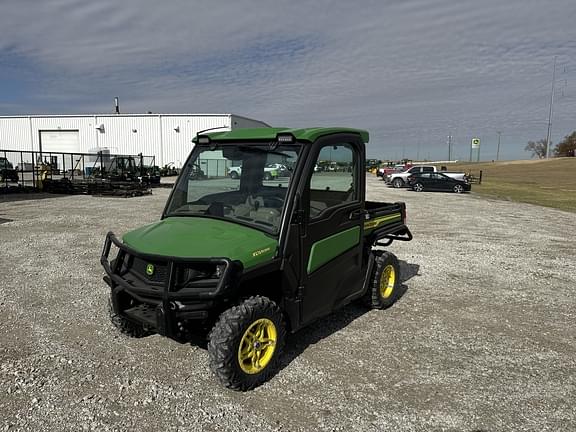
(54, 143)
(60, 141)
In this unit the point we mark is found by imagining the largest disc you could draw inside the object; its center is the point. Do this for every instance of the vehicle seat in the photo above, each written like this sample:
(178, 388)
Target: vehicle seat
(266, 214)
(252, 203)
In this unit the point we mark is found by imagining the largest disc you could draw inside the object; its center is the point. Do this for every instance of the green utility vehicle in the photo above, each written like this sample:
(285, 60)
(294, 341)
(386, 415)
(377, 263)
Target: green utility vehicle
(242, 261)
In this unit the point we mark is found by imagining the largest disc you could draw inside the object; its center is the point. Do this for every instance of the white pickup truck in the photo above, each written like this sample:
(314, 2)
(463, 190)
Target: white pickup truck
(400, 179)
(271, 171)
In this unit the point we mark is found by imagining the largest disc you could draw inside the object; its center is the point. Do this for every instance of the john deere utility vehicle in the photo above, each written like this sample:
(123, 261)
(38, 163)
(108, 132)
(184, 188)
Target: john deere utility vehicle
(242, 261)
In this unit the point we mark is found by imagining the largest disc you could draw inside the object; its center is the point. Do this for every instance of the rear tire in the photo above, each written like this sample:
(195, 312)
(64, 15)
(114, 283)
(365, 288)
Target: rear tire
(418, 187)
(385, 284)
(267, 176)
(246, 343)
(458, 188)
(398, 183)
(126, 327)
(233, 175)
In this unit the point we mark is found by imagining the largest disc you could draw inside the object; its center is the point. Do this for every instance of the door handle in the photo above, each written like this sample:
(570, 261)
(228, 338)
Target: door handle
(356, 214)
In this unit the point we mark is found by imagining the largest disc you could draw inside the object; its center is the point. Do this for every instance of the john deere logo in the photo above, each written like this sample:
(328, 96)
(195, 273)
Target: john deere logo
(150, 269)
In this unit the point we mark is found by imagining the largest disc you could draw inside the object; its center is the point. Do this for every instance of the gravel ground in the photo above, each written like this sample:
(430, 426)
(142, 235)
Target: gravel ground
(482, 340)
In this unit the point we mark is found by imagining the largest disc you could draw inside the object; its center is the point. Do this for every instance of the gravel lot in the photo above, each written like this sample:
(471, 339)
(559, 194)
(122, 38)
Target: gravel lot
(484, 339)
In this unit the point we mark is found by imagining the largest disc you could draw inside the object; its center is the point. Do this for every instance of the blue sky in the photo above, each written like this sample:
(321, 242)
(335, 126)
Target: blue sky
(412, 72)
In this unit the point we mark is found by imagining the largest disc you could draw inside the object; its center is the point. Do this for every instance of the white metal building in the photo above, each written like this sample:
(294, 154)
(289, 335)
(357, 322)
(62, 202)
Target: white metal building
(168, 137)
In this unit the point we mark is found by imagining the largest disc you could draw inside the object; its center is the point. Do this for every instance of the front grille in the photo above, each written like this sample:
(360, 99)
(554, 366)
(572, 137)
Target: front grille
(159, 275)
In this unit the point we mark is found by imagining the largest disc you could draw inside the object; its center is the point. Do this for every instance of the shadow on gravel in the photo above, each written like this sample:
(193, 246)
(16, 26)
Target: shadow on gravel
(11, 197)
(324, 327)
(407, 270)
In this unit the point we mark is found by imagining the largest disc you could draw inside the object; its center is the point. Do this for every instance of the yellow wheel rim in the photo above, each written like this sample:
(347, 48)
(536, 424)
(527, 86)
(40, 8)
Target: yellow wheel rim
(257, 346)
(387, 281)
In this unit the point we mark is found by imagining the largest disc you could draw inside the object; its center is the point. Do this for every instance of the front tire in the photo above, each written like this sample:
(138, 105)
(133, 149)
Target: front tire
(418, 187)
(385, 285)
(398, 183)
(233, 175)
(246, 343)
(458, 188)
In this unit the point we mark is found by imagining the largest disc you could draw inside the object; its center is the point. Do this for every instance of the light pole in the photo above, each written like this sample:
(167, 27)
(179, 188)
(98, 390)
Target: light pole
(550, 112)
(449, 147)
(498, 148)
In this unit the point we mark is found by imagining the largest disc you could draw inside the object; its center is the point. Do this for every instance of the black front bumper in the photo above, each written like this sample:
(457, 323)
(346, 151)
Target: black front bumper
(163, 301)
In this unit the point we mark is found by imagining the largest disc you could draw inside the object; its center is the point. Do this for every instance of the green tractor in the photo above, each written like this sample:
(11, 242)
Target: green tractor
(242, 262)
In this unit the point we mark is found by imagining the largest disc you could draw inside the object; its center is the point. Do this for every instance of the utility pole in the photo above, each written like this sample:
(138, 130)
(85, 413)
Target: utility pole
(449, 147)
(550, 112)
(498, 148)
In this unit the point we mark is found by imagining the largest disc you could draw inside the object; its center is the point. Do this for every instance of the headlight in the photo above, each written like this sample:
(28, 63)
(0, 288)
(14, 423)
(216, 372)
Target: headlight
(200, 271)
(219, 271)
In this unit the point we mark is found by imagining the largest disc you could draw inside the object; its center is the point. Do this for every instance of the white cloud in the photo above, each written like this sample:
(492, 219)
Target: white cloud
(409, 71)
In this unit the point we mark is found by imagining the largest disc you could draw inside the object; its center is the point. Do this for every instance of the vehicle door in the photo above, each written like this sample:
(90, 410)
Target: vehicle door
(333, 211)
(424, 179)
(442, 182)
(433, 181)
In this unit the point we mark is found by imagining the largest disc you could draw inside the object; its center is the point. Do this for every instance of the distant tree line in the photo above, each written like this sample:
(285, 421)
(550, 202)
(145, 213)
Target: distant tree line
(565, 148)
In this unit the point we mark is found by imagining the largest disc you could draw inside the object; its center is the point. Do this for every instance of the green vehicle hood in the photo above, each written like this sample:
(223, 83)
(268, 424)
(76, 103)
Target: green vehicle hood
(198, 237)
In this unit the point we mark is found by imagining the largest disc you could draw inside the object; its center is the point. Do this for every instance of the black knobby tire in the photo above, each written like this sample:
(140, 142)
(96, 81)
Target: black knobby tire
(126, 327)
(377, 296)
(227, 334)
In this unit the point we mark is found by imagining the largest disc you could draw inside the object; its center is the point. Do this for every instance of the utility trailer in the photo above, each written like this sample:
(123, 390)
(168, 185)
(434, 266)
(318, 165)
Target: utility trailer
(78, 173)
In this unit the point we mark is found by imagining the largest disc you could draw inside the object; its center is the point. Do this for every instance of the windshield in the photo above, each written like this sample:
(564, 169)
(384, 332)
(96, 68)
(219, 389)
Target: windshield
(243, 183)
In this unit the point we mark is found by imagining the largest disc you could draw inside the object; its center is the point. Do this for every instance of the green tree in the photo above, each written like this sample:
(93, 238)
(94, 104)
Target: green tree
(566, 147)
(537, 148)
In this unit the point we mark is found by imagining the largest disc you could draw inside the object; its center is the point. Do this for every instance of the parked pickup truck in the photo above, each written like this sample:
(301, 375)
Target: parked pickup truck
(271, 171)
(400, 179)
(241, 263)
(384, 171)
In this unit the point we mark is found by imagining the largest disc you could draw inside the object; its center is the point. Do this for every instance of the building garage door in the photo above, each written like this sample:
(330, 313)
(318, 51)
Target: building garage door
(60, 141)
(54, 143)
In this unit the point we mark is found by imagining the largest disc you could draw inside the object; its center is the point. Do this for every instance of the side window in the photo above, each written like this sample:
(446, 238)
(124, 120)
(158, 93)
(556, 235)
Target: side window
(427, 169)
(333, 181)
